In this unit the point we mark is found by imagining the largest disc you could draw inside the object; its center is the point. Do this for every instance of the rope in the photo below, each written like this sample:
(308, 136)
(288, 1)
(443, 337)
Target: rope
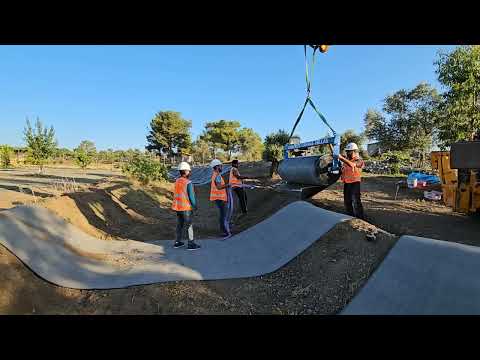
(308, 100)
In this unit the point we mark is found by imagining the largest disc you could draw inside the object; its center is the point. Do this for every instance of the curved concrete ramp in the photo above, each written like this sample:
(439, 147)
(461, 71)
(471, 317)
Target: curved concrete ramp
(63, 255)
(422, 277)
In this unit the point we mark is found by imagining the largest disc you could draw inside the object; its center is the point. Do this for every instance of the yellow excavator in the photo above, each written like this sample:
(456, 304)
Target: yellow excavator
(459, 172)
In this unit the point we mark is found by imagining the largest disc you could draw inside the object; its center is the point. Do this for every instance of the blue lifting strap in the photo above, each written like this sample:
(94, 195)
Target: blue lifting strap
(308, 100)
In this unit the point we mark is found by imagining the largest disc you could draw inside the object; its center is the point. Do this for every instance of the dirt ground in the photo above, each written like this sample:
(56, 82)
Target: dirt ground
(410, 214)
(9, 199)
(319, 281)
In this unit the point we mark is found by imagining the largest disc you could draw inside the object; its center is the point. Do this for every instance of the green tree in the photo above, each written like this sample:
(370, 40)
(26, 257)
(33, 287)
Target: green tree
(169, 133)
(408, 120)
(279, 138)
(200, 150)
(63, 154)
(274, 144)
(273, 148)
(6, 152)
(459, 73)
(85, 153)
(223, 134)
(41, 143)
(144, 169)
(251, 145)
(350, 136)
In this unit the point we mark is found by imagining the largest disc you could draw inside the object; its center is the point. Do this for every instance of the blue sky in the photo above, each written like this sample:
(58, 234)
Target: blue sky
(109, 94)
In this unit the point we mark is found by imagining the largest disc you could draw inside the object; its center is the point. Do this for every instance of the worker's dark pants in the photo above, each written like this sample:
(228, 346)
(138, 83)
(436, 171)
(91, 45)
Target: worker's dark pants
(242, 198)
(184, 225)
(351, 198)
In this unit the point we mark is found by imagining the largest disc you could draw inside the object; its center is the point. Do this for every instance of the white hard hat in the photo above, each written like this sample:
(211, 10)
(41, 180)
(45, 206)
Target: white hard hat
(215, 162)
(184, 166)
(351, 146)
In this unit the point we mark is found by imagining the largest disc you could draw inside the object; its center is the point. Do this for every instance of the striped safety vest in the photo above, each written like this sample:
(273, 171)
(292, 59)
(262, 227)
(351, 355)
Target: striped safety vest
(181, 201)
(233, 180)
(216, 194)
(351, 175)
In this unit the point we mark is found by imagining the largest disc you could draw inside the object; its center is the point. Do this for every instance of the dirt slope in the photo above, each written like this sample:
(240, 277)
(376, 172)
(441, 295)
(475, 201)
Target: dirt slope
(118, 209)
(9, 199)
(410, 214)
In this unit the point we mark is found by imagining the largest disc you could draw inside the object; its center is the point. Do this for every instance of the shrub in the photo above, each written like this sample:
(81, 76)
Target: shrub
(5, 154)
(145, 169)
(396, 160)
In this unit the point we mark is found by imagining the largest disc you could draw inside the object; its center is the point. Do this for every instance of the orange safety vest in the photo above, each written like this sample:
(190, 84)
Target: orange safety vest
(216, 194)
(233, 180)
(181, 201)
(352, 174)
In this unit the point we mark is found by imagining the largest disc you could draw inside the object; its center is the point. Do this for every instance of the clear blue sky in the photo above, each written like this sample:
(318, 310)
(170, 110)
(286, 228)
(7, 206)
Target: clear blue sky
(109, 94)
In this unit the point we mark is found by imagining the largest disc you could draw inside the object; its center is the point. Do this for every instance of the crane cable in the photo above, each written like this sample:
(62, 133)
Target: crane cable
(308, 100)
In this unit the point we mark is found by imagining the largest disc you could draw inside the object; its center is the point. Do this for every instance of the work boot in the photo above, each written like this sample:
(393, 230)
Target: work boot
(192, 246)
(178, 244)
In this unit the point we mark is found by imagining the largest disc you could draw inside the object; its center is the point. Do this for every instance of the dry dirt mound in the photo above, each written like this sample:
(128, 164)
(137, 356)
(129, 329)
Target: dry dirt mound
(319, 281)
(118, 209)
(410, 214)
(9, 199)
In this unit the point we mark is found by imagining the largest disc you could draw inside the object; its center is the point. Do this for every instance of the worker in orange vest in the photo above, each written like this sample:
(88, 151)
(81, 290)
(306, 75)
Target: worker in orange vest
(352, 176)
(235, 181)
(218, 194)
(184, 202)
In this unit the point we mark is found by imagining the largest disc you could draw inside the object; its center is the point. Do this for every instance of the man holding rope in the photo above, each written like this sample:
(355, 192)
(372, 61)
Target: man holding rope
(221, 197)
(235, 181)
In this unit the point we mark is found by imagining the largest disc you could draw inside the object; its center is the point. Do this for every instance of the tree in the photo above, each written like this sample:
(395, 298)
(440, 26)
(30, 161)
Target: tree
(408, 120)
(169, 133)
(251, 144)
(41, 143)
(459, 73)
(145, 169)
(6, 152)
(281, 138)
(350, 136)
(63, 154)
(85, 153)
(273, 145)
(223, 134)
(200, 150)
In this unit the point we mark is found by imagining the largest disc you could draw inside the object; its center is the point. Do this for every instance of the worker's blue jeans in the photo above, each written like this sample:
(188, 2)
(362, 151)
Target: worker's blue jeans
(184, 225)
(223, 219)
